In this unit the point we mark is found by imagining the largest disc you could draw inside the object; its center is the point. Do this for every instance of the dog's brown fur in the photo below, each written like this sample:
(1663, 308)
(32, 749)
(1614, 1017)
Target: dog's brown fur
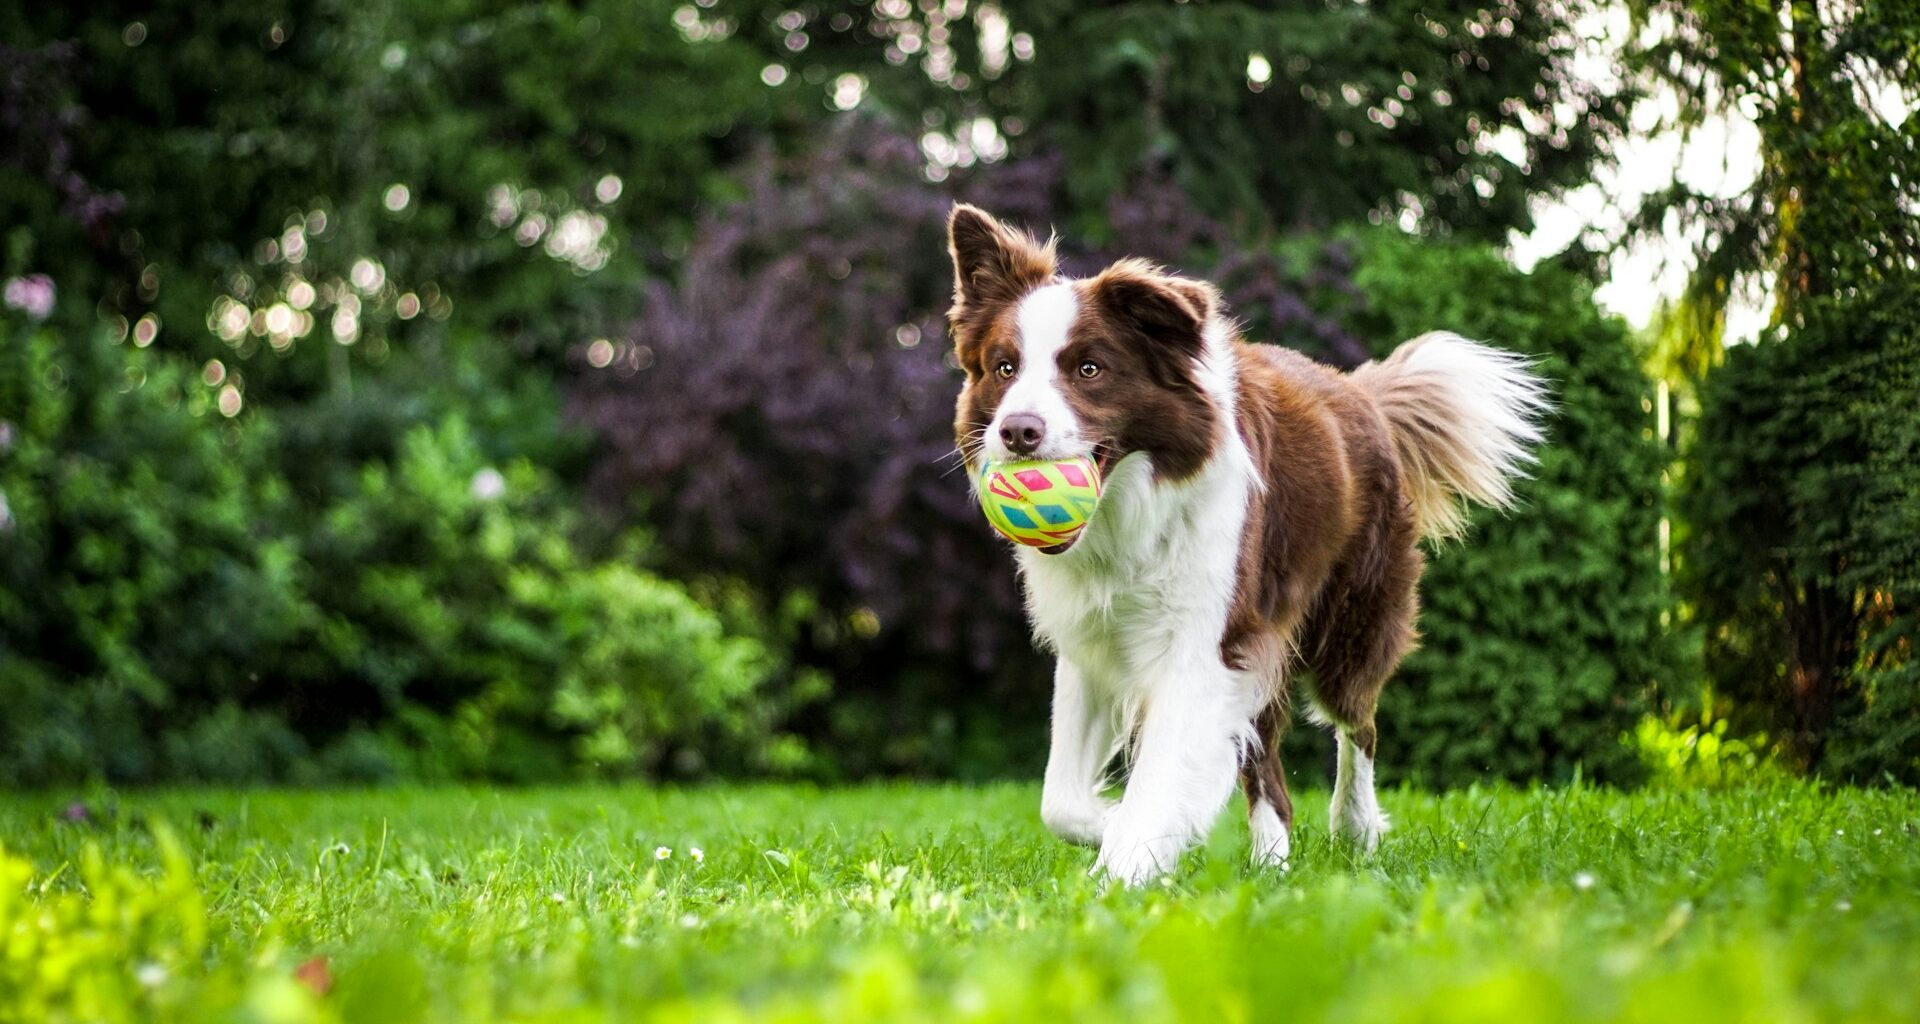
(1329, 562)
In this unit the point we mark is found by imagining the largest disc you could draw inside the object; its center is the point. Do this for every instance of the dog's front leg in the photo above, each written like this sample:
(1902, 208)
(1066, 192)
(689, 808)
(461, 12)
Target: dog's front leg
(1084, 733)
(1184, 768)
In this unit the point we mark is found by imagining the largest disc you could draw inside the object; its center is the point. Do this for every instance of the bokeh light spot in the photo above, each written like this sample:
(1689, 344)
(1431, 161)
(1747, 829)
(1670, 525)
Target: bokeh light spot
(145, 330)
(1259, 69)
(346, 326)
(848, 89)
(368, 275)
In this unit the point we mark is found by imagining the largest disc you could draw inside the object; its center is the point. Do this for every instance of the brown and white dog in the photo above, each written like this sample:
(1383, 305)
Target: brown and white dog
(1262, 512)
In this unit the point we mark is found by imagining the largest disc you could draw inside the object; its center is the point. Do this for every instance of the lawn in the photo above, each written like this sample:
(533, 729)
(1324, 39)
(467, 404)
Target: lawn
(1785, 903)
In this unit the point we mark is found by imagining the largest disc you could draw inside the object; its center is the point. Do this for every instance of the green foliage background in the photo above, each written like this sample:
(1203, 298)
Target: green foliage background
(241, 551)
(1797, 556)
(1805, 498)
(170, 610)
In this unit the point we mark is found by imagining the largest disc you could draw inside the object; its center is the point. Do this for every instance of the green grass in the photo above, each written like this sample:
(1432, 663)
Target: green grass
(934, 903)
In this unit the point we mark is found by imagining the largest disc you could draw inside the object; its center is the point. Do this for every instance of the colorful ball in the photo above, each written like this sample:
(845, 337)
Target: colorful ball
(1041, 504)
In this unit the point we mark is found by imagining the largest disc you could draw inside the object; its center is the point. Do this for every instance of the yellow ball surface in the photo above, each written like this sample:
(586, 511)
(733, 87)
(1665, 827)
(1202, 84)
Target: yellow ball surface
(1041, 503)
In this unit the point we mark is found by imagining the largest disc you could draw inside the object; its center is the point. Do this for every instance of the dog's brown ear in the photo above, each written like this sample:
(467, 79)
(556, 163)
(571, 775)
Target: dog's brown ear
(1203, 297)
(1165, 316)
(992, 263)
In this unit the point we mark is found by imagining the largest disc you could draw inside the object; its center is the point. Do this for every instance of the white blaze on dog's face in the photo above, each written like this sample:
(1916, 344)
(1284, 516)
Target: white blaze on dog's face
(1057, 369)
(1035, 400)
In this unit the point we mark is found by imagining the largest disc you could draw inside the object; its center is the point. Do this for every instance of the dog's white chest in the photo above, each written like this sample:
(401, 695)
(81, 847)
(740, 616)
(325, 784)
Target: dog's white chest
(1151, 581)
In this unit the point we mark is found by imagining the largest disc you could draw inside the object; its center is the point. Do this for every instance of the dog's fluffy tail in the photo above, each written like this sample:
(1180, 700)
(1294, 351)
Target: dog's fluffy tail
(1465, 418)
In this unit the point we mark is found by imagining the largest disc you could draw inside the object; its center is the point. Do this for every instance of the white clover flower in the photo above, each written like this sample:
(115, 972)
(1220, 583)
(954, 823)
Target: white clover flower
(662, 852)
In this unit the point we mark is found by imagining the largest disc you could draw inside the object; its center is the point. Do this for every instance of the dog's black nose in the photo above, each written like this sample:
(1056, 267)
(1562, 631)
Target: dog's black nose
(1022, 432)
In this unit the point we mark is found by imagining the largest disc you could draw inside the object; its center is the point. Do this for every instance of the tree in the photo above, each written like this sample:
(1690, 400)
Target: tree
(1789, 585)
(369, 169)
(1453, 114)
(1832, 208)
(1804, 566)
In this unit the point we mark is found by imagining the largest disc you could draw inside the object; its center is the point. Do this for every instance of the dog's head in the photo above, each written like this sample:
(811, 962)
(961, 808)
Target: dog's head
(1103, 367)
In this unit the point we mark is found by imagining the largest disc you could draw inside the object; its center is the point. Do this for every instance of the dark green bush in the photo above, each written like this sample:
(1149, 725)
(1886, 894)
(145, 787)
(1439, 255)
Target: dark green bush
(448, 589)
(1542, 630)
(141, 584)
(1803, 556)
(168, 610)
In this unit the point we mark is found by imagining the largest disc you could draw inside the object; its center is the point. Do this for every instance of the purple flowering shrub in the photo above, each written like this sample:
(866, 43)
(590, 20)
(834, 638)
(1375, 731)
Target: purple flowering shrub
(780, 414)
(41, 124)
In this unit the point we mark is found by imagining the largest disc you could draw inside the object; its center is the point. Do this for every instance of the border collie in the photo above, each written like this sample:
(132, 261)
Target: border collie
(1262, 512)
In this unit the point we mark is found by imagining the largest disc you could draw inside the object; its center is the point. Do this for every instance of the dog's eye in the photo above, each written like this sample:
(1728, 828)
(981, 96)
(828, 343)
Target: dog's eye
(1089, 369)
(1005, 369)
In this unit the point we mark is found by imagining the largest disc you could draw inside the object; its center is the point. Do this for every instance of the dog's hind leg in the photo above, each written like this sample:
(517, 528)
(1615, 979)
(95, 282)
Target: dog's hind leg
(1357, 639)
(1269, 808)
(1347, 682)
(1355, 814)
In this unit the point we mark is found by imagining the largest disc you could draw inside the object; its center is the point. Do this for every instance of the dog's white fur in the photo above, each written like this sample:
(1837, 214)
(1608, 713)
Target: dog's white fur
(1356, 810)
(1471, 423)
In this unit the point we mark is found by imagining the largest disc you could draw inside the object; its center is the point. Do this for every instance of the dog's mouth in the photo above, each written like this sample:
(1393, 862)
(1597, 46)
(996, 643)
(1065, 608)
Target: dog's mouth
(1104, 456)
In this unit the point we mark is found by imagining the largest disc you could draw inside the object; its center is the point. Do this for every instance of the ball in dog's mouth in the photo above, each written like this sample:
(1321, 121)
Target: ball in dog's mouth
(1041, 503)
(1103, 459)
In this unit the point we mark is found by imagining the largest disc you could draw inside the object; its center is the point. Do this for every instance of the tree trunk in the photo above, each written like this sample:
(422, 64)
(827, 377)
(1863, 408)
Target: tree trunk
(1823, 647)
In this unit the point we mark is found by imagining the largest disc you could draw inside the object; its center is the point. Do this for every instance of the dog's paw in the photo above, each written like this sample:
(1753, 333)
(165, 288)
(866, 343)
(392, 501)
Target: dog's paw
(1272, 844)
(1361, 826)
(1133, 860)
(1083, 822)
